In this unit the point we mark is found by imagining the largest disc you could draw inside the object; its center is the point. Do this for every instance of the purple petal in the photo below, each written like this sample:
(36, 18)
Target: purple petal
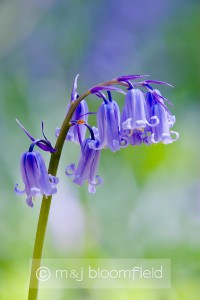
(74, 89)
(130, 77)
(98, 180)
(157, 82)
(53, 179)
(176, 135)
(101, 95)
(161, 97)
(34, 192)
(91, 189)
(124, 142)
(76, 131)
(46, 147)
(88, 113)
(17, 191)
(156, 123)
(42, 144)
(91, 186)
(97, 88)
(27, 133)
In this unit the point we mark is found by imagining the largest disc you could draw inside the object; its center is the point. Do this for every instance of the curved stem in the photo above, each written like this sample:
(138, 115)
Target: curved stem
(46, 202)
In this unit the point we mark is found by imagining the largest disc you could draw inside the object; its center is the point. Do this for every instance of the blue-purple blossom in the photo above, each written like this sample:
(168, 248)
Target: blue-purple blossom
(87, 165)
(76, 132)
(36, 179)
(108, 124)
(134, 114)
(162, 132)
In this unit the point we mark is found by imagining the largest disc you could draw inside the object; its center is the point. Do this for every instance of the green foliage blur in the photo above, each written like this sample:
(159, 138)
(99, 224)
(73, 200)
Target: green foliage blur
(149, 203)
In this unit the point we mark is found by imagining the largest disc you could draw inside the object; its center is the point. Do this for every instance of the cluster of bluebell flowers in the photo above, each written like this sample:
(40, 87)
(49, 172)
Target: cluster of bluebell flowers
(144, 119)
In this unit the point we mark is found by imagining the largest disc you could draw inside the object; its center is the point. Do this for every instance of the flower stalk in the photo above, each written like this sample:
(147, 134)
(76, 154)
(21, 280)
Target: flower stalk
(46, 201)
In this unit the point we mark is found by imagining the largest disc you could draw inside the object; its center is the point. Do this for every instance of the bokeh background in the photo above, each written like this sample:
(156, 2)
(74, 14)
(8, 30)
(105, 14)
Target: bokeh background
(149, 203)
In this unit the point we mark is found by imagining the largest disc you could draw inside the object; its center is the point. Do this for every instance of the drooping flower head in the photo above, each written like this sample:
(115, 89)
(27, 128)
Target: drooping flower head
(145, 116)
(81, 113)
(34, 173)
(88, 164)
(145, 119)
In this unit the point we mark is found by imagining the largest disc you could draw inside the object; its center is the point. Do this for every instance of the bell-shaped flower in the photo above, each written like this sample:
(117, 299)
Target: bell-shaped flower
(134, 114)
(162, 132)
(87, 165)
(36, 179)
(156, 107)
(108, 123)
(76, 132)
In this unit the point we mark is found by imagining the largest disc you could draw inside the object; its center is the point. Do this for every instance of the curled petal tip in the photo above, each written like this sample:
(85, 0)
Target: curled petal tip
(53, 179)
(17, 191)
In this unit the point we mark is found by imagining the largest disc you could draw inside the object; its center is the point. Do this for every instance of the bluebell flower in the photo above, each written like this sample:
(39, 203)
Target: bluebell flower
(162, 132)
(108, 120)
(36, 179)
(108, 124)
(34, 173)
(134, 114)
(76, 132)
(87, 165)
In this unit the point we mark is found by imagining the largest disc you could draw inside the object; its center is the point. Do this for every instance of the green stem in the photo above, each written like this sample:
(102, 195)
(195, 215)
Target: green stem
(46, 202)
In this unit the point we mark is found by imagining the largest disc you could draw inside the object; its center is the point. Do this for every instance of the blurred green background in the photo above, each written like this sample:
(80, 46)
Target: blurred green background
(149, 203)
